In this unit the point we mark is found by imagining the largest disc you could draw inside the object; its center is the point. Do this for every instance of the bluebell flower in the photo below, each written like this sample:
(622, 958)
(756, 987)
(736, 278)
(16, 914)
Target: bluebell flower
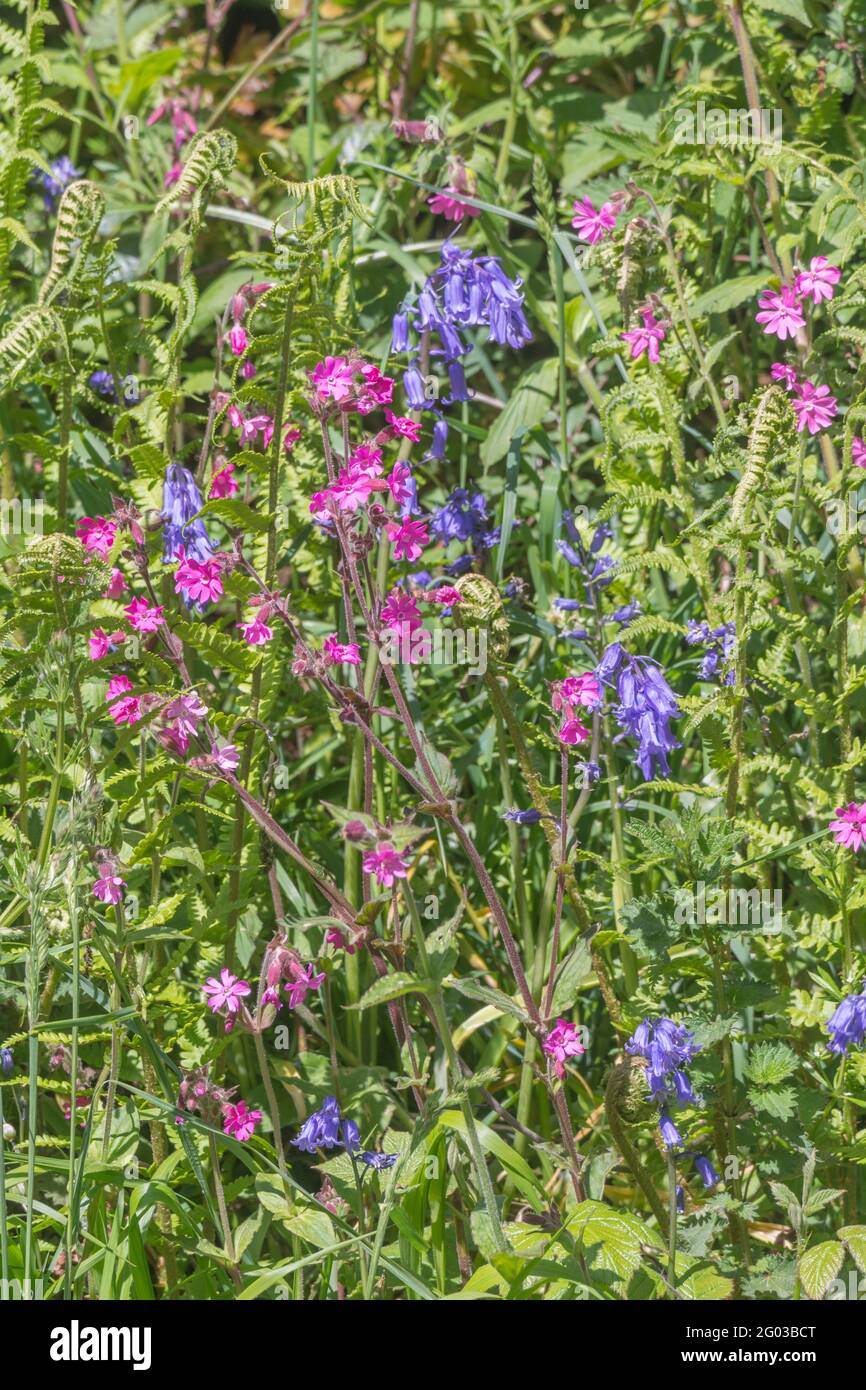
(671, 1136)
(588, 773)
(646, 706)
(378, 1161)
(351, 1136)
(530, 817)
(400, 332)
(666, 1048)
(706, 1172)
(181, 500)
(681, 1200)
(462, 518)
(7, 1060)
(720, 643)
(461, 565)
(63, 172)
(567, 605)
(847, 1023)
(627, 613)
(321, 1130)
(575, 634)
(103, 384)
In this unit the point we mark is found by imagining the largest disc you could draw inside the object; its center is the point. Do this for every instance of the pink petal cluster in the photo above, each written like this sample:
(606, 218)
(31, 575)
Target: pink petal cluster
(240, 1122)
(257, 632)
(101, 643)
(117, 585)
(817, 282)
(336, 379)
(858, 452)
(409, 538)
(142, 617)
(109, 888)
(849, 829)
(592, 225)
(223, 483)
(403, 426)
(780, 371)
(385, 864)
(199, 582)
(226, 993)
(648, 338)
(301, 982)
(813, 406)
(568, 695)
(337, 653)
(123, 708)
(780, 313)
(97, 534)
(562, 1042)
(181, 719)
(446, 203)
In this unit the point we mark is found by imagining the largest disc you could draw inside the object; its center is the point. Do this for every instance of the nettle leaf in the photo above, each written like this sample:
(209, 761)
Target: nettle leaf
(771, 1063)
(855, 1242)
(819, 1266)
(780, 1104)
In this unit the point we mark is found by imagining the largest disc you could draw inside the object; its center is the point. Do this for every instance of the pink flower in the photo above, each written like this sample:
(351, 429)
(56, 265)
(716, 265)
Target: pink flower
(142, 617)
(334, 937)
(226, 992)
(117, 586)
(174, 738)
(780, 313)
(590, 225)
(378, 389)
(226, 758)
(173, 174)
(240, 1122)
(97, 534)
(337, 653)
(257, 632)
(101, 644)
(445, 595)
(400, 608)
(409, 537)
(817, 282)
(290, 439)
(186, 711)
(351, 490)
(385, 863)
(200, 582)
(223, 483)
(572, 732)
(402, 425)
(238, 340)
(780, 371)
(563, 1042)
(124, 710)
(368, 458)
(109, 889)
(577, 690)
(447, 204)
(850, 829)
(301, 983)
(646, 339)
(814, 407)
(858, 451)
(400, 483)
(248, 370)
(333, 379)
